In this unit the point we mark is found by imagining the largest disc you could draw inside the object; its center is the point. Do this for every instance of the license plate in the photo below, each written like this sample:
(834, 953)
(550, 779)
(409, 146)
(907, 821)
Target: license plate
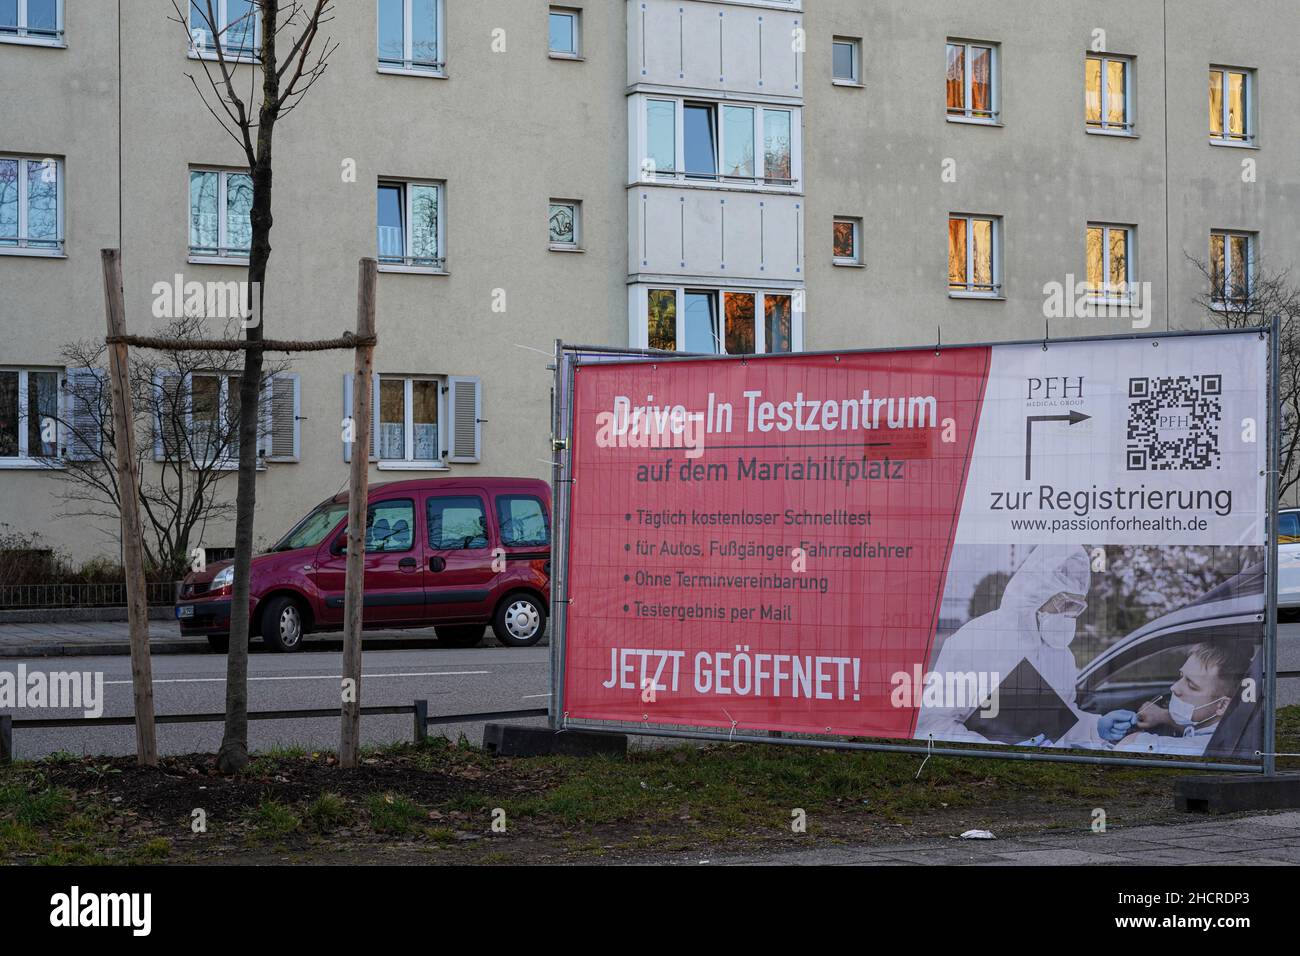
(185, 610)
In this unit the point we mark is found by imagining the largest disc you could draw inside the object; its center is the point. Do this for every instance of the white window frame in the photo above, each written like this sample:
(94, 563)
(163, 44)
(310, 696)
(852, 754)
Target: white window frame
(1107, 296)
(408, 462)
(856, 259)
(1252, 240)
(21, 36)
(576, 244)
(1104, 127)
(22, 248)
(968, 114)
(208, 51)
(437, 69)
(230, 460)
(576, 14)
(641, 305)
(640, 173)
(855, 45)
(971, 291)
(1225, 138)
(440, 260)
(224, 254)
(24, 458)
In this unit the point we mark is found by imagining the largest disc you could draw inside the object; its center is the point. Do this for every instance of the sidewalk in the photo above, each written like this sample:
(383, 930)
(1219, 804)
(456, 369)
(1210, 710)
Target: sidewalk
(1272, 839)
(103, 638)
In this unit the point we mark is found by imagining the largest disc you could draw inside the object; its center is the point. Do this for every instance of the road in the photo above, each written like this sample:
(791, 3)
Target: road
(452, 681)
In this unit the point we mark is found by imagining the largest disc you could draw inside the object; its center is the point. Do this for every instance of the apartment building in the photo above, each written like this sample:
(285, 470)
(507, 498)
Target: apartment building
(695, 175)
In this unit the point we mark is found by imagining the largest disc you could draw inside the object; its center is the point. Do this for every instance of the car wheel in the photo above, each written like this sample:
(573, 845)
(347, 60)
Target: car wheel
(219, 642)
(520, 620)
(460, 635)
(282, 625)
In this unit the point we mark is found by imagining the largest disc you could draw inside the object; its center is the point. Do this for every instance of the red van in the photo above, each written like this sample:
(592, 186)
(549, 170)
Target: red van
(454, 553)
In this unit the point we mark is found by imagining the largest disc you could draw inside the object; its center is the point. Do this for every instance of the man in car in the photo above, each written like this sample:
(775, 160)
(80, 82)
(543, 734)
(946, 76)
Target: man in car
(1207, 683)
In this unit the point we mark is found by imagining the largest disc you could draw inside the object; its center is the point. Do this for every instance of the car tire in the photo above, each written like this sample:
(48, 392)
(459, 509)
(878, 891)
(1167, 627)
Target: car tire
(460, 635)
(283, 626)
(219, 643)
(520, 620)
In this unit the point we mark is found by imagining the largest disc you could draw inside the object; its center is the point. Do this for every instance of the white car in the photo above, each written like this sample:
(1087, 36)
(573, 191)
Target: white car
(1288, 558)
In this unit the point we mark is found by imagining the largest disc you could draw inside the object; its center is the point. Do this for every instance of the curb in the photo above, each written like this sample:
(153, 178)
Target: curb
(200, 645)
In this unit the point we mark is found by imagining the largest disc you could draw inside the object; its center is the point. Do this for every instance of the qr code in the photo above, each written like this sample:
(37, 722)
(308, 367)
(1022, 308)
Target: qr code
(1173, 423)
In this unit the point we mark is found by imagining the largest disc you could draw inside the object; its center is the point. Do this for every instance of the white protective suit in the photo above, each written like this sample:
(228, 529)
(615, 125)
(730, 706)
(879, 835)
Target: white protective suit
(995, 643)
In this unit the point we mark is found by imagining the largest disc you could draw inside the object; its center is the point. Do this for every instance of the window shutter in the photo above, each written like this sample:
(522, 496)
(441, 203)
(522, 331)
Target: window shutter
(374, 417)
(465, 409)
(282, 403)
(171, 415)
(85, 412)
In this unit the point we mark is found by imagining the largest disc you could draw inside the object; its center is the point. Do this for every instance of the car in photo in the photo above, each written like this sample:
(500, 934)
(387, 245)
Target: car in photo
(1141, 667)
(457, 554)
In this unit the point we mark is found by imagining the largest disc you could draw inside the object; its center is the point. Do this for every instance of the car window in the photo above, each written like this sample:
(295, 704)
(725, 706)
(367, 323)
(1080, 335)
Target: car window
(1288, 527)
(457, 523)
(389, 526)
(311, 530)
(523, 521)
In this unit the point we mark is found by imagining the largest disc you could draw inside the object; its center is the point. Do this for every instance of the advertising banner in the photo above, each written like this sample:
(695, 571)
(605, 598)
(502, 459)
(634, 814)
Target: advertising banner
(1057, 547)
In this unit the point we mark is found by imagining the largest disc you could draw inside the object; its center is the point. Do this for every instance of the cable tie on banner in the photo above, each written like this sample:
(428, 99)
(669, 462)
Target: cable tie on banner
(929, 749)
(938, 340)
(1260, 753)
(1047, 332)
(564, 719)
(733, 720)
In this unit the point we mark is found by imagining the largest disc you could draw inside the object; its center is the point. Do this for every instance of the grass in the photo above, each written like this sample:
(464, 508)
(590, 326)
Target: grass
(272, 820)
(327, 812)
(394, 814)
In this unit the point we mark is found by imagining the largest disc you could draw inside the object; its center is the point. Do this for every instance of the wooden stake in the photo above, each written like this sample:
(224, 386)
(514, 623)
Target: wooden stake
(358, 489)
(128, 485)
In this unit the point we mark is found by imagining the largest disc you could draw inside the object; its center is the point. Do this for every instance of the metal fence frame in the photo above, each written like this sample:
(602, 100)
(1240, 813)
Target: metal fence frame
(419, 710)
(568, 358)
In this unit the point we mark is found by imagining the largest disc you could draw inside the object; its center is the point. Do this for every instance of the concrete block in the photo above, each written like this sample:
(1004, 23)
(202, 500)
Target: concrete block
(512, 740)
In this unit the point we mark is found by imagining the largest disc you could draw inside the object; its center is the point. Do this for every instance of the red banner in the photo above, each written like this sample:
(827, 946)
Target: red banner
(763, 545)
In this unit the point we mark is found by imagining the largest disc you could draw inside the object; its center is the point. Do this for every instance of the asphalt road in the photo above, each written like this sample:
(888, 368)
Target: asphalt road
(452, 681)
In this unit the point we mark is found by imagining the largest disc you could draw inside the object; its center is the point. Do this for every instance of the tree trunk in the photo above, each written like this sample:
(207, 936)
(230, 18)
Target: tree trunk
(233, 755)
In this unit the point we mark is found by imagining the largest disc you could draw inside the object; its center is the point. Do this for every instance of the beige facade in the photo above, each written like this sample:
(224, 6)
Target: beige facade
(506, 128)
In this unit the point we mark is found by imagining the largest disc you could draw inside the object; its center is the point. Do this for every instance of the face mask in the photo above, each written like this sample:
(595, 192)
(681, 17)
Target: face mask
(1056, 630)
(1184, 714)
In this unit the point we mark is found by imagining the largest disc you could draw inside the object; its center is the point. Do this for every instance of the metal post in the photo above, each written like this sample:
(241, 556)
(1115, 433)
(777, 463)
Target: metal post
(6, 738)
(557, 473)
(1271, 544)
(421, 721)
(560, 624)
(128, 483)
(354, 587)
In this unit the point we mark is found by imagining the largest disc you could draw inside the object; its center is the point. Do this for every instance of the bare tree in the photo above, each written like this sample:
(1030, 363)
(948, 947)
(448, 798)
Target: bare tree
(1259, 296)
(283, 86)
(188, 402)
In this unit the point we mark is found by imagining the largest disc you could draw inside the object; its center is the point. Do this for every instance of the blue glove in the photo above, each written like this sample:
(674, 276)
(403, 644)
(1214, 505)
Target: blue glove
(1039, 741)
(1116, 725)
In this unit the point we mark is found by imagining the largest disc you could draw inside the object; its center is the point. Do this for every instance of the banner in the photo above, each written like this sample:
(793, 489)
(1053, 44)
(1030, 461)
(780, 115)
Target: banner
(1058, 547)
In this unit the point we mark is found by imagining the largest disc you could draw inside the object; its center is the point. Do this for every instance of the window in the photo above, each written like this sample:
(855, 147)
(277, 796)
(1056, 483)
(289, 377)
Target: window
(1108, 100)
(972, 81)
(846, 55)
(408, 419)
(1288, 527)
(565, 223)
(847, 233)
(409, 37)
(29, 415)
(564, 33)
(974, 256)
(457, 523)
(220, 204)
(411, 226)
(214, 417)
(390, 525)
(37, 22)
(1231, 94)
(523, 521)
(736, 144)
(230, 25)
(196, 418)
(1110, 261)
(1232, 263)
(31, 205)
(720, 322)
